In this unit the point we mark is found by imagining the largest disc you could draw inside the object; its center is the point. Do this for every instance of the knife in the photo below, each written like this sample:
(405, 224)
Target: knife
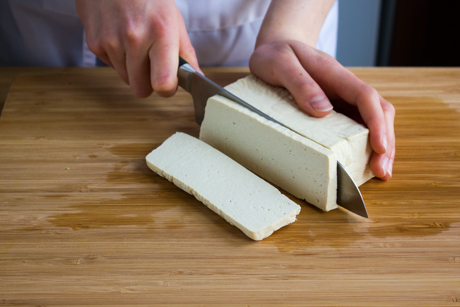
(201, 88)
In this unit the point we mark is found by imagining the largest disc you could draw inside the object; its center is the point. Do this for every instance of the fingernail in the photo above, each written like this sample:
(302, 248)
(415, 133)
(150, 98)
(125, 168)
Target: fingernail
(385, 165)
(390, 169)
(321, 104)
(384, 142)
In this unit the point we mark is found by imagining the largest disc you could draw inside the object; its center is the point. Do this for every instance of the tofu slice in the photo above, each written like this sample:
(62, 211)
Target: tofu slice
(341, 134)
(300, 166)
(242, 198)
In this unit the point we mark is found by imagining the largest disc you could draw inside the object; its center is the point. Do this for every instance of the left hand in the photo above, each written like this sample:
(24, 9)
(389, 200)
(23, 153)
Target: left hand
(314, 78)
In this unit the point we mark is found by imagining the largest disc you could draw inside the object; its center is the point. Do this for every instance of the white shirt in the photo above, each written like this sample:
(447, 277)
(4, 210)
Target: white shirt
(223, 32)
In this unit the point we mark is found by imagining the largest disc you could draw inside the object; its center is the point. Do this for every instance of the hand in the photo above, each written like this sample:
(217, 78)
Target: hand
(141, 39)
(314, 77)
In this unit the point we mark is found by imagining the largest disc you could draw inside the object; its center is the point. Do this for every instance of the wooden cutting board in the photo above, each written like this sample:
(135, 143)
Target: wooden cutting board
(84, 221)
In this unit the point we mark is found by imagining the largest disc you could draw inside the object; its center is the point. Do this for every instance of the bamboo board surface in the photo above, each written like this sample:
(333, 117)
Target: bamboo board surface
(83, 221)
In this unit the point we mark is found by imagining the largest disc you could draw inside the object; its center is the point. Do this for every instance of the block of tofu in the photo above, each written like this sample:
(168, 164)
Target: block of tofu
(341, 134)
(300, 166)
(242, 198)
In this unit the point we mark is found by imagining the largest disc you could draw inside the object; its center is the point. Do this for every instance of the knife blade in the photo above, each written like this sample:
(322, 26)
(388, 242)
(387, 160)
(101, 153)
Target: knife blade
(201, 88)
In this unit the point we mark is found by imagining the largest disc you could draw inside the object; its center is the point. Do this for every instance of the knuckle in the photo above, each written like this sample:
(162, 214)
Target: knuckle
(280, 54)
(110, 43)
(188, 49)
(161, 28)
(95, 46)
(373, 123)
(134, 35)
(282, 57)
(325, 59)
(308, 88)
(367, 94)
(388, 108)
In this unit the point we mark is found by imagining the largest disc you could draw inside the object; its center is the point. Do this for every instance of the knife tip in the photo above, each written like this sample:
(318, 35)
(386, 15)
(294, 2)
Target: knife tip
(362, 213)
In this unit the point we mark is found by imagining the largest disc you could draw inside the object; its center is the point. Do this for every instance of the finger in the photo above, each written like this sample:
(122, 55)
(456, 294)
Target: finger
(368, 103)
(308, 95)
(164, 60)
(186, 50)
(336, 80)
(117, 58)
(389, 112)
(382, 164)
(284, 69)
(101, 49)
(138, 64)
(164, 56)
(391, 163)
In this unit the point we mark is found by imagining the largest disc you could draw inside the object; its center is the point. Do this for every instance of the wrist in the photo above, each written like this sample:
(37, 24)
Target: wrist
(269, 37)
(298, 20)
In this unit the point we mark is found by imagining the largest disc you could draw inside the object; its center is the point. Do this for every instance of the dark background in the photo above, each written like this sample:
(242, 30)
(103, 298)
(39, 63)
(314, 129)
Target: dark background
(419, 33)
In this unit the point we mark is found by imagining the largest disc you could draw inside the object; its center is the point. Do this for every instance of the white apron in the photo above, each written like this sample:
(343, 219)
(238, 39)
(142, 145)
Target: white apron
(223, 32)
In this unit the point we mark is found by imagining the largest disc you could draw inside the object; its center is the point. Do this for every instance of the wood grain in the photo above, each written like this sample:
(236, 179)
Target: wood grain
(83, 221)
(7, 75)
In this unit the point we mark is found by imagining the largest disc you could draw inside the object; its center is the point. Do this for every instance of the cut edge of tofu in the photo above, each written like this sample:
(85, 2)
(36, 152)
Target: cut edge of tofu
(256, 235)
(210, 136)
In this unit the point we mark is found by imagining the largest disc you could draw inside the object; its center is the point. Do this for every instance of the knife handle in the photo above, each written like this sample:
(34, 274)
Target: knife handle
(182, 62)
(184, 73)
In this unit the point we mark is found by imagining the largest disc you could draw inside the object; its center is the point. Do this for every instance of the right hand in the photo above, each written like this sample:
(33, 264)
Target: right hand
(141, 39)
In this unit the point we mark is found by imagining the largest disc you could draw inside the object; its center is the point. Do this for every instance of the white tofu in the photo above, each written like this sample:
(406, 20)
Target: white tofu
(300, 166)
(341, 134)
(242, 198)
(305, 166)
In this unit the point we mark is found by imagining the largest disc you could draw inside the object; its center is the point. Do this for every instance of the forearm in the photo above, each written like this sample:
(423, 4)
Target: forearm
(299, 20)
